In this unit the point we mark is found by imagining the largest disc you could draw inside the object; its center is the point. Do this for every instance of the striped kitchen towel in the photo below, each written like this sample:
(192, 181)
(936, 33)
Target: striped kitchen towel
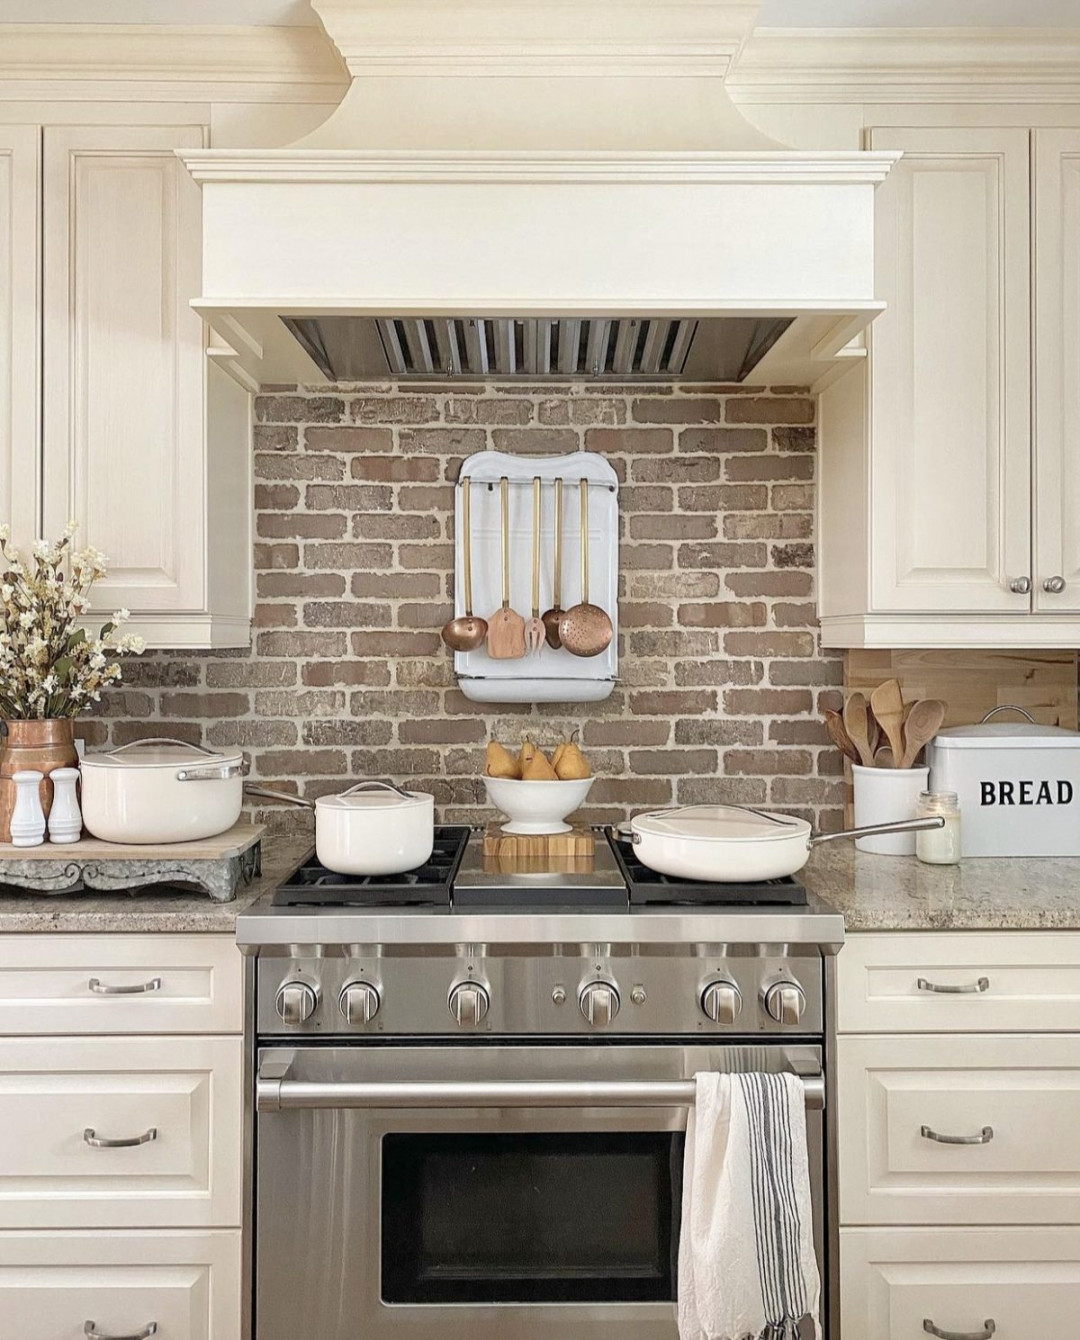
(747, 1269)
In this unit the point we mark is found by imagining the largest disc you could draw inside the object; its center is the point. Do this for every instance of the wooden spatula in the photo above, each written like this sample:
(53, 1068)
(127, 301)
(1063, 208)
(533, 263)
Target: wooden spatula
(887, 703)
(922, 724)
(506, 628)
(839, 736)
(857, 724)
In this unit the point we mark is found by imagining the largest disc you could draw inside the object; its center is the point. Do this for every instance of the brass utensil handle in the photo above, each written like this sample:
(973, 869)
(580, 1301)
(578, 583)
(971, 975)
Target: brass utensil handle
(95, 1141)
(92, 1333)
(989, 1327)
(584, 494)
(557, 579)
(536, 548)
(466, 524)
(983, 1138)
(504, 501)
(971, 989)
(99, 988)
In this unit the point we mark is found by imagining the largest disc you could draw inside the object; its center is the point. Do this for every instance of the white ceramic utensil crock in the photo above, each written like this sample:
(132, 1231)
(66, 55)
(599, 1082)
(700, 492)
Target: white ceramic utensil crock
(160, 790)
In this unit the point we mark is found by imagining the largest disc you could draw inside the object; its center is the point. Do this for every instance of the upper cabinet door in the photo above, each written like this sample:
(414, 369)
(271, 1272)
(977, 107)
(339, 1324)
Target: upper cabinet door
(123, 351)
(20, 300)
(1057, 371)
(950, 483)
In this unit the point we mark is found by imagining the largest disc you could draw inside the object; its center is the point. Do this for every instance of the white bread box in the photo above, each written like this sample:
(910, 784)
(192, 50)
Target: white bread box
(1018, 785)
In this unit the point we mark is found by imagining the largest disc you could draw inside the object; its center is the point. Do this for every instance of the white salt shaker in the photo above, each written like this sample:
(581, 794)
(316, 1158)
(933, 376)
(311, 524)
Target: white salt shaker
(27, 818)
(65, 817)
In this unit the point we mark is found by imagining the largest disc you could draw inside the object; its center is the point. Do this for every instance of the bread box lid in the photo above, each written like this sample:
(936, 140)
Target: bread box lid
(1007, 735)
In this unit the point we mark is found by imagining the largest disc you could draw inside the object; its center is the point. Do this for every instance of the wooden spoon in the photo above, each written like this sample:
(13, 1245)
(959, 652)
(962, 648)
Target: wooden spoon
(839, 736)
(923, 723)
(466, 632)
(857, 724)
(552, 616)
(887, 703)
(535, 632)
(883, 758)
(506, 628)
(585, 629)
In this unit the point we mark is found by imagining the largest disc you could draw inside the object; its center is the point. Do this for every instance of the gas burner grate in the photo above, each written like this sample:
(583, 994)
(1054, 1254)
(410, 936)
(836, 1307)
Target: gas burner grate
(647, 886)
(429, 885)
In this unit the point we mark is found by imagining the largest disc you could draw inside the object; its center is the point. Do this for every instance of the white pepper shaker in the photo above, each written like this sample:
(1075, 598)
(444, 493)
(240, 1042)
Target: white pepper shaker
(27, 818)
(65, 817)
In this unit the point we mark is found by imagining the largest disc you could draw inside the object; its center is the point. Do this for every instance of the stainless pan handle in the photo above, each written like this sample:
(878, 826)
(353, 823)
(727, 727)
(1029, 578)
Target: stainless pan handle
(212, 774)
(870, 830)
(270, 794)
(281, 1094)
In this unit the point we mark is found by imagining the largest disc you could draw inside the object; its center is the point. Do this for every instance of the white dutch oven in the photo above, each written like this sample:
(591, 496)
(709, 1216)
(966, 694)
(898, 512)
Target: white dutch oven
(728, 845)
(160, 790)
(373, 828)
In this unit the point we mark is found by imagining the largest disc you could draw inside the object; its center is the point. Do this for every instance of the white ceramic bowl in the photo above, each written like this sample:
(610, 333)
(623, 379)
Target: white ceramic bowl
(536, 807)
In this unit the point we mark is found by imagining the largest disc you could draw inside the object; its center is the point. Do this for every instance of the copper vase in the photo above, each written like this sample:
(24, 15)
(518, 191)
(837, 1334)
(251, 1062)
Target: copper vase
(38, 745)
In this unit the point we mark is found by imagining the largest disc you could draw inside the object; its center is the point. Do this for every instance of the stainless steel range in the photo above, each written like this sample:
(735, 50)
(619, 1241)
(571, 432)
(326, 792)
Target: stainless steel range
(472, 1085)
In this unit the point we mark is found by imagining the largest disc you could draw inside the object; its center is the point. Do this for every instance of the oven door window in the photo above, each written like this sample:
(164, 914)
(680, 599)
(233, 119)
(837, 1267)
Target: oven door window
(530, 1218)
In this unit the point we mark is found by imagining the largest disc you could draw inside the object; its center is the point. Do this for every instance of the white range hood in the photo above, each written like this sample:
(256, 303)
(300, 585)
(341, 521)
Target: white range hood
(531, 188)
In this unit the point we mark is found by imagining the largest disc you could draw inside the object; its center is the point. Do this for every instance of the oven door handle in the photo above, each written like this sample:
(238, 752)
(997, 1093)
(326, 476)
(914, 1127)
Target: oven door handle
(280, 1094)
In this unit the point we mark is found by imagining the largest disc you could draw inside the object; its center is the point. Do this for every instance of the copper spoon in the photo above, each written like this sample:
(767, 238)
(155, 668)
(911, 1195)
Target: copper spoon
(466, 632)
(585, 629)
(506, 628)
(552, 616)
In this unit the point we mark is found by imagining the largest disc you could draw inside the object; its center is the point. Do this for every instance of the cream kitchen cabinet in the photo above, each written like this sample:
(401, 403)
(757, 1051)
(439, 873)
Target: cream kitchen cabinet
(126, 428)
(950, 491)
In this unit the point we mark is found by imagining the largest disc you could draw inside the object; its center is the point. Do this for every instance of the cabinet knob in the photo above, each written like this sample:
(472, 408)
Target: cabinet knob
(1054, 585)
(1020, 586)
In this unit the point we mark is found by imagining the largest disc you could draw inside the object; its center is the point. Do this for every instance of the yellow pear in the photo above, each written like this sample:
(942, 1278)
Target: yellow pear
(538, 769)
(572, 765)
(561, 749)
(499, 762)
(528, 749)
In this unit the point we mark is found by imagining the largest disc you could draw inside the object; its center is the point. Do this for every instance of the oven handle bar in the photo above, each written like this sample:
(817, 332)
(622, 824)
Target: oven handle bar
(280, 1095)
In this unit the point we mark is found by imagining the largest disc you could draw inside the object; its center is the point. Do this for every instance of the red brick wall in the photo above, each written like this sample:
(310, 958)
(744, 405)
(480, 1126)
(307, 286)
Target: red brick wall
(721, 676)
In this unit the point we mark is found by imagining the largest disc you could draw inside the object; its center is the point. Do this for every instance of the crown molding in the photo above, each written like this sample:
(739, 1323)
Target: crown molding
(898, 65)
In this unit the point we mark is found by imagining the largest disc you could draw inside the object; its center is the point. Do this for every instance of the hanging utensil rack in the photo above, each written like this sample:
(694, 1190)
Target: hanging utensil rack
(554, 675)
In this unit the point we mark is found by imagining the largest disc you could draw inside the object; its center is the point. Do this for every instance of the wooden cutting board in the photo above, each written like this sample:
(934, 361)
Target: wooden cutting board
(579, 842)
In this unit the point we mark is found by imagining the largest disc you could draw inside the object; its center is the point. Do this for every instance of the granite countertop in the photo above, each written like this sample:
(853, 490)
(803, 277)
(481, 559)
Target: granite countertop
(900, 893)
(153, 912)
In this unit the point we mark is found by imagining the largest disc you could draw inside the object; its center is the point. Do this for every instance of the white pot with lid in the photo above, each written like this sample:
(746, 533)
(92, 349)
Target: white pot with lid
(160, 790)
(373, 828)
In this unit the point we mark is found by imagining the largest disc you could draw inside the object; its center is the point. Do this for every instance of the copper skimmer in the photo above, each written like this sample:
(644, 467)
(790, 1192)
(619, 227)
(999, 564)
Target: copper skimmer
(585, 629)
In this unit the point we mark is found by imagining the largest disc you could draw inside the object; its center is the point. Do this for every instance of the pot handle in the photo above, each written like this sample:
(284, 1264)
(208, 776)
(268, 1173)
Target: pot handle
(160, 739)
(869, 830)
(366, 786)
(278, 795)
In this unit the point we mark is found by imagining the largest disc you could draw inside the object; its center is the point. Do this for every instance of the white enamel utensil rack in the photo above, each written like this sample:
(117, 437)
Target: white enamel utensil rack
(552, 675)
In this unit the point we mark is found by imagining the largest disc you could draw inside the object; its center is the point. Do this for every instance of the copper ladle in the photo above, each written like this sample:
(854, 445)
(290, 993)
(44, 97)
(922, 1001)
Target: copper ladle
(552, 616)
(466, 632)
(585, 629)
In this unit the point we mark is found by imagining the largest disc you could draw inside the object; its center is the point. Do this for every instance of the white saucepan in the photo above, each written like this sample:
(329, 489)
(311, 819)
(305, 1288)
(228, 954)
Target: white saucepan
(160, 790)
(726, 844)
(373, 828)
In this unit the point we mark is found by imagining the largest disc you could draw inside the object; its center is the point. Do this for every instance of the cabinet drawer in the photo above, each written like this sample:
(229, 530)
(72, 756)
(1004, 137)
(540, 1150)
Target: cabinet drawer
(59, 1095)
(1015, 1098)
(995, 983)
(1025, 1280)
(68, 984)
(186, 1283)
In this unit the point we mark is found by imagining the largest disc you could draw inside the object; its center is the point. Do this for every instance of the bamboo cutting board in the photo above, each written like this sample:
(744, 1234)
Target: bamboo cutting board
(579, 842)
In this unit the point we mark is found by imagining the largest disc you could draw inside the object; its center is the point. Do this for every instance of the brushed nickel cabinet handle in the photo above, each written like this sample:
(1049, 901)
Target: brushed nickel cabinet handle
(95, 1141)
(92, 1333)
(989, 1327)
(983, 1138)
(983, 984)
(99, 988)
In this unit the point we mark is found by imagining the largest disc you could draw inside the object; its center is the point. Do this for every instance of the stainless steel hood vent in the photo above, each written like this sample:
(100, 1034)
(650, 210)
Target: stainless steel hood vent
(626, 348)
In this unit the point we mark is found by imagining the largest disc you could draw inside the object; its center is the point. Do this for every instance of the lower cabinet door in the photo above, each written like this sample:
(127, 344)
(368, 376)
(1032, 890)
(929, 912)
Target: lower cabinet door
(186, 1285)
(1024, 1282)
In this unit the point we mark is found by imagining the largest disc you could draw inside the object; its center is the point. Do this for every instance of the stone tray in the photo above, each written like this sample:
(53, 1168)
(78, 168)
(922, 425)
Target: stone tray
(217, 865)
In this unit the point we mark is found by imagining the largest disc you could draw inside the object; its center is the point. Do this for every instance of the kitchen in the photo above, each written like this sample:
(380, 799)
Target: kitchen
(785, 305)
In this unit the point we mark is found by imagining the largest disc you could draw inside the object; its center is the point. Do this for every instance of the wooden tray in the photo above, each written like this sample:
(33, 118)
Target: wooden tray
(579, 842)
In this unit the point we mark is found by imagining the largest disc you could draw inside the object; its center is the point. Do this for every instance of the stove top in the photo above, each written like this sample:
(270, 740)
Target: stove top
(647, 886)
(312, 885)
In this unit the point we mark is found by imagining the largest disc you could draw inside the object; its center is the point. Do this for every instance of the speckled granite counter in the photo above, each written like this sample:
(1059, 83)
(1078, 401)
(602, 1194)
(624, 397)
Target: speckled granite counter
(900, 893)
(149, 913)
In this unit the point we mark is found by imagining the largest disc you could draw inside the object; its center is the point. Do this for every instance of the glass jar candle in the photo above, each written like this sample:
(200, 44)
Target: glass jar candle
(938, 846)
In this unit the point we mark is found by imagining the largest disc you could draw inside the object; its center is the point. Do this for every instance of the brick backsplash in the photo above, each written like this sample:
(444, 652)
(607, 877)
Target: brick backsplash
(721, 675)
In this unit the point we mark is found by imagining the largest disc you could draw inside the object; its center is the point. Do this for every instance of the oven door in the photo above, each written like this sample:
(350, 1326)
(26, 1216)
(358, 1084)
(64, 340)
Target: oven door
(428, 1192)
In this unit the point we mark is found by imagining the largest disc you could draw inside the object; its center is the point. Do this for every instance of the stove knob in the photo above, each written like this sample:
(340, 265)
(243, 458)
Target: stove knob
(359, 1002)
(469, 1003)
(785, 1002)
(721, 1001)
(599, 1002)
(296, 1001)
